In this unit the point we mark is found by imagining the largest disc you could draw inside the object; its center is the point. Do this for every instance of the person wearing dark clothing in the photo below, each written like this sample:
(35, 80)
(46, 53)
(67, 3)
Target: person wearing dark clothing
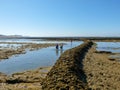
(61, 46)
(57, 46)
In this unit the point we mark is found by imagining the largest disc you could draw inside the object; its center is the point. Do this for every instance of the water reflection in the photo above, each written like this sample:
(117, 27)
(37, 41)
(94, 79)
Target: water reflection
(71, 44)
(61, 51)
(57, 53)
(35, 59)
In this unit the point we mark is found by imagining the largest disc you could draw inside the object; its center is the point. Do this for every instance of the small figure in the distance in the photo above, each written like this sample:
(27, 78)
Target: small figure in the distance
(57, 47)
(61, 46)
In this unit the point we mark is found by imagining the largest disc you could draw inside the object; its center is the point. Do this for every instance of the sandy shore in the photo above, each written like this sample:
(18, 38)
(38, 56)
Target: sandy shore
(102, 73)
(28, 80)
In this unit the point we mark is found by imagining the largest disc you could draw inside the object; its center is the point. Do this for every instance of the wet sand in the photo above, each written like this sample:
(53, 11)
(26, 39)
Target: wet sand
(28, 80)
(102, 73)
(32, 80)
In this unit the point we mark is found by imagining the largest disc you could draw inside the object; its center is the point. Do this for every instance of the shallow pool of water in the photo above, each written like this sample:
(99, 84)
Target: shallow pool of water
(10, 46)
(115, 56)
(34, 59)
(29, 41)
(114, 47)
(19, 40)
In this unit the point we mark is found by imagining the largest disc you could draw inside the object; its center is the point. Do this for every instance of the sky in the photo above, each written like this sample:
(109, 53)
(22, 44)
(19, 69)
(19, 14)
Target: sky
(44, 18)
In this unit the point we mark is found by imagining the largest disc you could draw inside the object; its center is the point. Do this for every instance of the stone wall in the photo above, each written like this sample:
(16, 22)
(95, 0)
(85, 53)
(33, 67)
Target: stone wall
(67, 73)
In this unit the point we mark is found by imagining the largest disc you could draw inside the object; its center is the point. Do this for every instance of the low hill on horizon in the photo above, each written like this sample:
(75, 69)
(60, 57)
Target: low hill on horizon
(10, 36)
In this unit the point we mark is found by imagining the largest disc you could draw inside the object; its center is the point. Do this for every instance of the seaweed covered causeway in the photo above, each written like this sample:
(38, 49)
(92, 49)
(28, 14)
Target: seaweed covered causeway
(67, 73)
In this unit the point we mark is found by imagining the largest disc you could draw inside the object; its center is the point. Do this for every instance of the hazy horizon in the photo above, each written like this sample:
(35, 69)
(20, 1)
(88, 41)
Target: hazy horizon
(60, 18)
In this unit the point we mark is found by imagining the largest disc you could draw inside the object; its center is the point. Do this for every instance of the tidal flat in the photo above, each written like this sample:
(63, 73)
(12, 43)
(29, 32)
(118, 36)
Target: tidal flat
(102, 72)
(27, 80)
(22, 80)
(6, 52)
(99, 69)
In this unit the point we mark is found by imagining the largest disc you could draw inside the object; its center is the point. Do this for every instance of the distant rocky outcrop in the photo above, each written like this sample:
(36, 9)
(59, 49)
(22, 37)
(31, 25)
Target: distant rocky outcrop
(67, 73)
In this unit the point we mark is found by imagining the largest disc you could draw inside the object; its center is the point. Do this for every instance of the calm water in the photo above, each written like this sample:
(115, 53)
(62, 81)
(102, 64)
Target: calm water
(10, 46)
(29, 41)
(34, 59)
(114, 47)
(20, 40)
(46, 56)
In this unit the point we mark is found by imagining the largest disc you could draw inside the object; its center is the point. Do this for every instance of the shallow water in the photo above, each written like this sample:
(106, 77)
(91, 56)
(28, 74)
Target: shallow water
(19, 40)
(34, 59)
(10, 46)
(29, 41)
(114, 47)
(115, 56)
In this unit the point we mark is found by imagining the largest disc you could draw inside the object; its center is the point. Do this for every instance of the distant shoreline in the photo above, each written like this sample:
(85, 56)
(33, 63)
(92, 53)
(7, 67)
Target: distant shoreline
(112, 39)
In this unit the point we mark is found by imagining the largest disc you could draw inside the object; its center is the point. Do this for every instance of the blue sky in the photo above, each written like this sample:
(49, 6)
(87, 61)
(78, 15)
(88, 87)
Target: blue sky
(60, 17)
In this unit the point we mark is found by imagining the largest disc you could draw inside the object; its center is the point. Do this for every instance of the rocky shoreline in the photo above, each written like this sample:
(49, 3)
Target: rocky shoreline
(35, 78)
(102, 73)
(67, 73)
(28, 80)
(80, 68)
